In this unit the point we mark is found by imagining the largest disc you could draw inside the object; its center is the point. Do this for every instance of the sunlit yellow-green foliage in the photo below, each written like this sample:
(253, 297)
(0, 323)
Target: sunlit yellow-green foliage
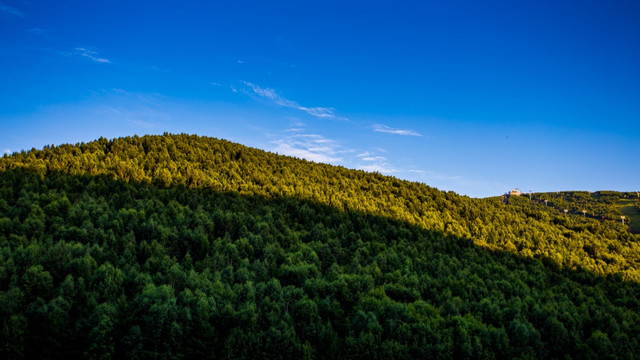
(601, 205)
(199, 162)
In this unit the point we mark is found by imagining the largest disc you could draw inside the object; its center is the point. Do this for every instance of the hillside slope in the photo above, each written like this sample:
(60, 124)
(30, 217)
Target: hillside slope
(198, 162)
(184, 246)
(604, 206)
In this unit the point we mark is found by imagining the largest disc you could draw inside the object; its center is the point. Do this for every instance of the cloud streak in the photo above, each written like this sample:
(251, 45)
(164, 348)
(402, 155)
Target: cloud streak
(10, 10)
(297, 142)
(389, 130)
(91, 55)
(271, 95)
(374, 163)
(312, 147)
(315, 147)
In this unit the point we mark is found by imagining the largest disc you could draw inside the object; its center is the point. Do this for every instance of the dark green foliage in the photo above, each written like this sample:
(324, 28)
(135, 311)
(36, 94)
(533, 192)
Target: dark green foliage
(236, 253)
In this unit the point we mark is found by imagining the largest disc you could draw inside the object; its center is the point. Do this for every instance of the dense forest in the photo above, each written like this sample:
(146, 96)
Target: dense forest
(180, 246)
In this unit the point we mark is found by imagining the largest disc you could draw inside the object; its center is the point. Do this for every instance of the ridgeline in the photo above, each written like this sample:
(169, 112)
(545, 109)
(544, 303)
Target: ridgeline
(182, 246)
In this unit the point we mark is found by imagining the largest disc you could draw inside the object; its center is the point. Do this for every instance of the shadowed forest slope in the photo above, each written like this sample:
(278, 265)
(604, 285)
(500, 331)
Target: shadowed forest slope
(189, 247)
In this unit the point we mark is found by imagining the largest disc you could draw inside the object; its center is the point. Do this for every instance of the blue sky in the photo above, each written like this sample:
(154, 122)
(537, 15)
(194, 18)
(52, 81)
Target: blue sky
(474, 97)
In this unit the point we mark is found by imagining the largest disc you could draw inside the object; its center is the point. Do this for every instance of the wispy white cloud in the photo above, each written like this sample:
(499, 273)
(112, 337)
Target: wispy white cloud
(389, 130)
(91, 55)
(312, 147)
(371, 162)
(299, 142)
(7, 151)
(271, 95)
(373, 158)
(380, 168)
(5, 9)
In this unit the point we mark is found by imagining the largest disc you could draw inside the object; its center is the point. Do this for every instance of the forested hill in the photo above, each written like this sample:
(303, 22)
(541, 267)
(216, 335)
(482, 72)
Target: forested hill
(186, 246)
(195, 162)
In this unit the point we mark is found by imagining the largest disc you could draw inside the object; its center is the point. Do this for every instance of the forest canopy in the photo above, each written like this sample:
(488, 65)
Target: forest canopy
(183, 246)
